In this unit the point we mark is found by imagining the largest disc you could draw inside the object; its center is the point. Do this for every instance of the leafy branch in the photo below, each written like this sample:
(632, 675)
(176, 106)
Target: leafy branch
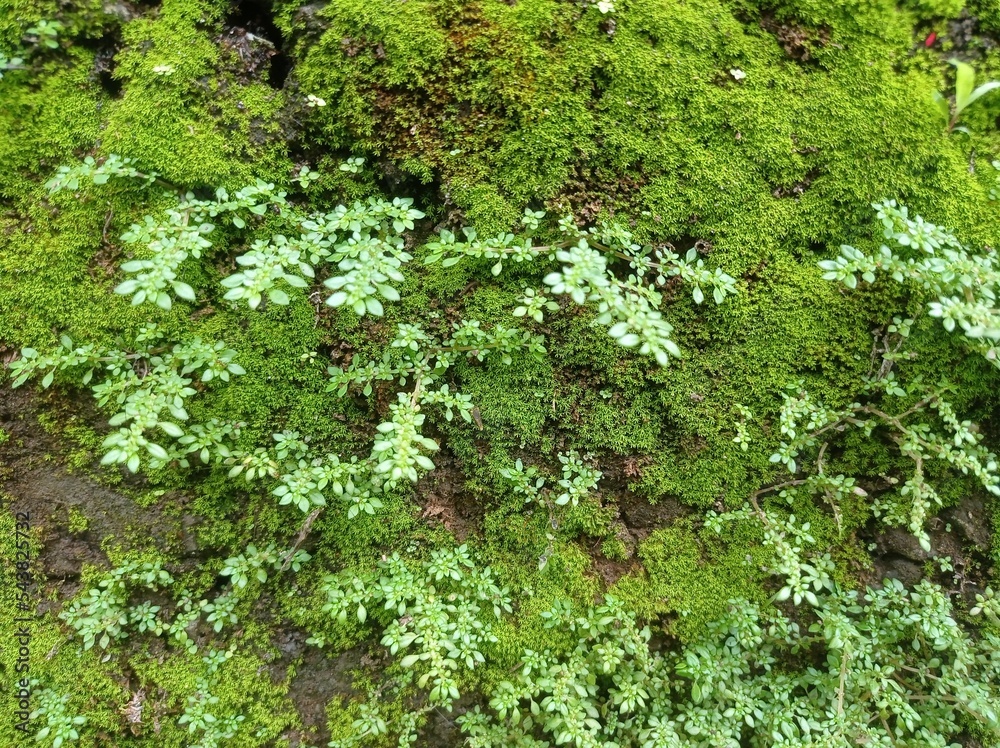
(961, 286)
(149, 389)
(628, 307)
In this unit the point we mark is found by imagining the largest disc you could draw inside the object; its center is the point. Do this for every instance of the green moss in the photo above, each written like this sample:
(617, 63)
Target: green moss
(185, 123)
(935, 8)
(692, 576)
(241, 690)
(561, 102)
(78, 522)
(478, 110)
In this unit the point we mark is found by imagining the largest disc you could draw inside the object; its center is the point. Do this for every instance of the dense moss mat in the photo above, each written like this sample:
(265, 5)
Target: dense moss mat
(760, 131)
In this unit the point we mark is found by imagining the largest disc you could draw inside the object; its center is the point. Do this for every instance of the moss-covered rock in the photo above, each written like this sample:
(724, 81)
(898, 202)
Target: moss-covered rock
(758, 133)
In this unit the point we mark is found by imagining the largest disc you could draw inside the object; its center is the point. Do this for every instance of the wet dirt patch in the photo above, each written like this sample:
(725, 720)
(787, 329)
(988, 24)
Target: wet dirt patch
(640, 517)
(446, 500)
(441, 730)
(34, 479)
(798, 189)
(611, 570)
(799, 42)
(319, 679)
(588, 190)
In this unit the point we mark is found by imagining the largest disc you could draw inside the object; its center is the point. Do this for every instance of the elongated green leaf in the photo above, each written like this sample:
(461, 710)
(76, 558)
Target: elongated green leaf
(171, 429)
(965, 78)
(941, 102)
(183, 290)
(982, 90)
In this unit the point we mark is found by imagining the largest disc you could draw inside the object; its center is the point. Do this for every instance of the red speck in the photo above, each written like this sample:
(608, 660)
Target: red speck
(930, 40)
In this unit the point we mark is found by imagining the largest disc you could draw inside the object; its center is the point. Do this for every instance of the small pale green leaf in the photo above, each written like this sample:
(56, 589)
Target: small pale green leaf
(965, 78)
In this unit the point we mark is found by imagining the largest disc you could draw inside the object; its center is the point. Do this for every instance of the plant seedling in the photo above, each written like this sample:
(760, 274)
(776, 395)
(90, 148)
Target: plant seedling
(965, 94)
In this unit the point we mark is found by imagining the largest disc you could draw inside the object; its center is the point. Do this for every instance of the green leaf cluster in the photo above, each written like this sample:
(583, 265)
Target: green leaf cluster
(883, 667)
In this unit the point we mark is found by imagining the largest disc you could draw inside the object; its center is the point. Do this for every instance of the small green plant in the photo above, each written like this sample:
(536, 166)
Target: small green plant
(145, 618)
(958, 443)
(421, 358)
(965, 94)
(60, 723)
(45, 33)
(627, 307)
(995, 188)
(10, 63)
(577, 485)
(577, 482)
(220, 612)
(103, 615)
(806, 574)
(78, 522)
(187, 613)
(924, 428)
(353, 165)
(886, 667)
(206, 728)
(742, 438)
(959, 287)
(149, 388)
(365, 242)
(252, 564)
(305, 176)
(71, 177)
(100, 616)
(436, 615)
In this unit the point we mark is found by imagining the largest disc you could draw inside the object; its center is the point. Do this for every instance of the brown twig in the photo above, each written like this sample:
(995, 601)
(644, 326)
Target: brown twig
(303, 534)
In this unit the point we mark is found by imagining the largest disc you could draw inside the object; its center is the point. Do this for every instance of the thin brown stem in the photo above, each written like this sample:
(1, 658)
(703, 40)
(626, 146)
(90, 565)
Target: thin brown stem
(304, 531)
(417, 387)
(841, 687)
(769, 489)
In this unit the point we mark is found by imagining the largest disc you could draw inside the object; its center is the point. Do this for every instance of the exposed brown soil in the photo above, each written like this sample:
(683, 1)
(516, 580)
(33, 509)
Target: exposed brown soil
(642, 517)
(320, 677)
(446, 500)
(609, 570)
(962, 532)
(639, 517)
(34, 479)
(799, 42)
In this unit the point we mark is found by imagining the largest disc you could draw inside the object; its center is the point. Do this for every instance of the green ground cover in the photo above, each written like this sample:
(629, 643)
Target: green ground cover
(757, 135)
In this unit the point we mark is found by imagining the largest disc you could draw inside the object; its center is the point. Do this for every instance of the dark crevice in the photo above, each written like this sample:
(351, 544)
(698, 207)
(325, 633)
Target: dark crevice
(104, 48)
(251, 34)
(104, 66)
(102, 36)
(798, 189)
